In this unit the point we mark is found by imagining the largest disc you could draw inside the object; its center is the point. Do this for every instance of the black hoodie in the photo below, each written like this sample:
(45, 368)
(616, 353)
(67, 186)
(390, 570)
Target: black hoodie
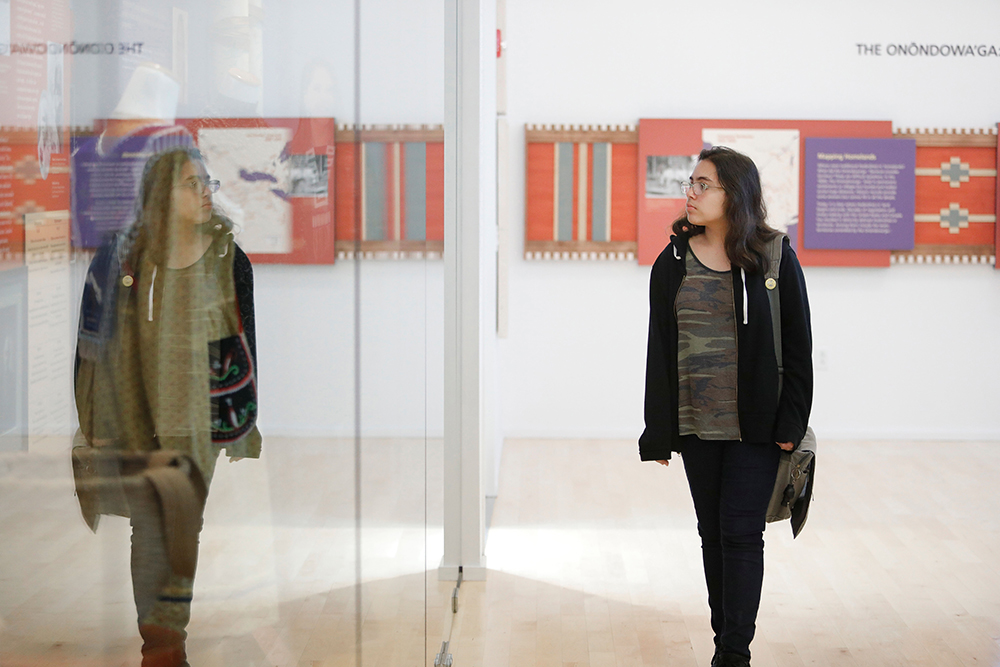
(762, 417)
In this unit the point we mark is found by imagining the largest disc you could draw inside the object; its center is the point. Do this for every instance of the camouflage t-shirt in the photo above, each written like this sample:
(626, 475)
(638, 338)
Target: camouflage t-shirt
(706, 353)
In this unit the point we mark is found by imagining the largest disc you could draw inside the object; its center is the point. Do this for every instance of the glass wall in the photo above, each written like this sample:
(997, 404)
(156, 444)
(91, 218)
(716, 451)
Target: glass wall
(221, 332)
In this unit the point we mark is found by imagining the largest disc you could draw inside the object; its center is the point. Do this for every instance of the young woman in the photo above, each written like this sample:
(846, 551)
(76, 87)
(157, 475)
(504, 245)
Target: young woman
(166, 378)
(712, 379)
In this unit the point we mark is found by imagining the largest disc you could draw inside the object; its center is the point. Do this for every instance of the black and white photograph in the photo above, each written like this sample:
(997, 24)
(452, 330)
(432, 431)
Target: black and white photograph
(308, 176)
(666, 173)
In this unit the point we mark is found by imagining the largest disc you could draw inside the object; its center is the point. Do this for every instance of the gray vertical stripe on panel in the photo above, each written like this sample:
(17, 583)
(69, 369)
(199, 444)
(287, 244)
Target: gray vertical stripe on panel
(416, 191)
(375, 191)
(599, 188)
(564, 197)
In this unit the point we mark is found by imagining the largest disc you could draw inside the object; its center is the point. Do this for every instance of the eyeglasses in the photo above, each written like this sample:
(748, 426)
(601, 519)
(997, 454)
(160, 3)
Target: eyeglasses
(197, 183)
(698, 187)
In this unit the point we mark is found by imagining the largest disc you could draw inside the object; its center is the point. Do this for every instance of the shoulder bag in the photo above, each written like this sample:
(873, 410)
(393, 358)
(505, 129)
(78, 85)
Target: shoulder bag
(796, 469)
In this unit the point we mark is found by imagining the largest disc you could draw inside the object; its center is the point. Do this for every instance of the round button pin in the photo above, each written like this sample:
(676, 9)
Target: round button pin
(770, 283)
(127, 280)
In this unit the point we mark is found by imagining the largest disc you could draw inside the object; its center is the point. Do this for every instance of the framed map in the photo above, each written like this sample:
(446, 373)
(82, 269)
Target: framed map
(776, 154)
(254, 168)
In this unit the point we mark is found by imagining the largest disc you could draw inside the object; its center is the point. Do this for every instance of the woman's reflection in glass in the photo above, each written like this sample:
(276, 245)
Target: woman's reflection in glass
(166, 378)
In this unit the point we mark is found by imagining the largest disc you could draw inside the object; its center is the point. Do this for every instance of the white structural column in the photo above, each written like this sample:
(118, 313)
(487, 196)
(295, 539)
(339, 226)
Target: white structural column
(469, 279)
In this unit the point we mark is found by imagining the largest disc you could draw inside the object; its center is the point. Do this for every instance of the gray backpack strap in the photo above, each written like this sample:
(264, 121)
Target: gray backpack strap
(773, 297)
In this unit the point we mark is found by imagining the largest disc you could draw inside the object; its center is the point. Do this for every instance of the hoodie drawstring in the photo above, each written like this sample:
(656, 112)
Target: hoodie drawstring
(674, 248)
(746, 310)
(152, 283)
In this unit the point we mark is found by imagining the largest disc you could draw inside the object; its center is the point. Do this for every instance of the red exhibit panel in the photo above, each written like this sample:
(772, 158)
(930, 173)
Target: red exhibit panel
(623, 189)
(344, 200)
(390, 192)
(580, 192)
(540, 198)
(34, 110)
(684, 137)
(435, 191)
(972, 192)
(956, 196)
(24, 188)
(11, 233)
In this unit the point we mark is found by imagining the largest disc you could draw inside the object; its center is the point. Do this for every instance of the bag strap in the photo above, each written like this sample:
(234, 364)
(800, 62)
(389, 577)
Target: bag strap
(773, 298)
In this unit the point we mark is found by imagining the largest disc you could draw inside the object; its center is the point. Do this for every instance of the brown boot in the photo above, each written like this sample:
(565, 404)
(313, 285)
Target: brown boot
(162, 647)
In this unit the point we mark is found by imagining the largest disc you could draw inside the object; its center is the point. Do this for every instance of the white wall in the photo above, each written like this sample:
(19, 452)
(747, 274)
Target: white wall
(306, 314)
(910, 350)
(401, 58)
(306, 351)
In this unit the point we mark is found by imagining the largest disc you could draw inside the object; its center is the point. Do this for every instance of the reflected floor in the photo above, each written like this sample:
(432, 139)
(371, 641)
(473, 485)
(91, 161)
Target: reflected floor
(277, 567)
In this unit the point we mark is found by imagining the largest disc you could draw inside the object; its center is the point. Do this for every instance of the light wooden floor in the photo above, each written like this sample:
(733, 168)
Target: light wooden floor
(594, 560)
(593, 557)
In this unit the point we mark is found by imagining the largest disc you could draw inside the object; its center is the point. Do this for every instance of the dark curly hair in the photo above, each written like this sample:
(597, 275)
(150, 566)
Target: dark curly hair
(746, 240)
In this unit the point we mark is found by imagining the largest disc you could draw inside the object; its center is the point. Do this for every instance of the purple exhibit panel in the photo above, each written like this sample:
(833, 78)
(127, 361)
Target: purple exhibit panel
(860, 194)
(106, 174)
(104, 188)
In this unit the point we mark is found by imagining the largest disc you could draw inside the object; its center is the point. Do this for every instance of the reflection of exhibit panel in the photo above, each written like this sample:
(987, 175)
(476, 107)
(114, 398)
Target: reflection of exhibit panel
(253, 158)
(254, 170)
(309, 176)
(390, 192)
(13, 357)
(50, 358)
(104, 198)
(11, 233)
(107, 169)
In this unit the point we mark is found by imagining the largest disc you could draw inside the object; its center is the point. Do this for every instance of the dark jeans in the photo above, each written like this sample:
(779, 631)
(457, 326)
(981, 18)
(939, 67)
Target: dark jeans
(731, 484)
